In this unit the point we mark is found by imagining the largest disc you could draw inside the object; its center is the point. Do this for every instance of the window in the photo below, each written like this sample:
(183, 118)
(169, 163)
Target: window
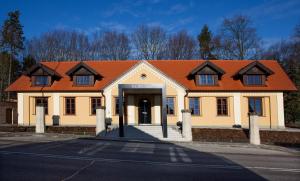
(170, 105)
(255, 105)
(254, 79)
(82, 80)
(194, 105)
(42, 100)
(222, 106)
(70, 105)
(116, 105)
(206, 79)
(95, 102)
(41, 80)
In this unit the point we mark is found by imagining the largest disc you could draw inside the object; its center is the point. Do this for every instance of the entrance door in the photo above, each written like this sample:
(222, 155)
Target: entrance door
(9, 115)
(144, 111)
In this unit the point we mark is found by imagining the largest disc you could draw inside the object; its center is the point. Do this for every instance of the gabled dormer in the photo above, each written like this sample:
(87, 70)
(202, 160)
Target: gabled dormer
(41, 75)
(83, 75)
(254, 74)
(206, 74)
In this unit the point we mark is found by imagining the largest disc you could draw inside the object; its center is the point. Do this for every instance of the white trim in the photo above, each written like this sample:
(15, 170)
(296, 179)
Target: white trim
(149, 67)
(237, 108)
(280, 110)
(20, 108)
(131, 110)
(180, 104)
(157, 110)
(56, 105)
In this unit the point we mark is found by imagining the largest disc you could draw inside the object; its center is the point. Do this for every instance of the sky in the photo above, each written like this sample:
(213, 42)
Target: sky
(274, 19)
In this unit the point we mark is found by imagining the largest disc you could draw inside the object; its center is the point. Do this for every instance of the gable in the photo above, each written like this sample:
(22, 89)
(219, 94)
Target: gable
(145, 73)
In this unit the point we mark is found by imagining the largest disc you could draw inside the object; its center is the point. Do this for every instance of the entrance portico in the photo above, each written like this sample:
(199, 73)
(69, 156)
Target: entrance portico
(144, 104)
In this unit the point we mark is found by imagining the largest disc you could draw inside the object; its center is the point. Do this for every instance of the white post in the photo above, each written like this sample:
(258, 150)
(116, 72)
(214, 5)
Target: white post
(237, 108)
(254, 129)
(40, 119)
(20, 108)
(100, 119)
(187, 125)
(280, 110)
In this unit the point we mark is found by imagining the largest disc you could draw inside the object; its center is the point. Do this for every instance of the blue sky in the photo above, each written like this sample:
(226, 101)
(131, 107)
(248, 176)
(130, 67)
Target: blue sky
(274, 19)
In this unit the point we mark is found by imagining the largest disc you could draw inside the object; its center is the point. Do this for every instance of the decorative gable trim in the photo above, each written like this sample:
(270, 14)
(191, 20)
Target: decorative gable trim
(44, 71)
(80, 66)
(252, 65)
(149, 67)
(209, 64)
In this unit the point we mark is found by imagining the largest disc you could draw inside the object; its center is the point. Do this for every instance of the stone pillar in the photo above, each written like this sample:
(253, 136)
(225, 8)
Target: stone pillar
(254, 129)
(187, 125)
(100, 119)
(40, 119)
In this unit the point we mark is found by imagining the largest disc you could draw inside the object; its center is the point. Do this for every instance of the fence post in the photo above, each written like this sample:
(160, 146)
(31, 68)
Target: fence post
(100, 119)
(187, 125)
(254, 129)
(40, 119)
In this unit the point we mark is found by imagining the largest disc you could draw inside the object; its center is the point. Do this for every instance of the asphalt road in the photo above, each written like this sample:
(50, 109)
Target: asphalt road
(79, 159)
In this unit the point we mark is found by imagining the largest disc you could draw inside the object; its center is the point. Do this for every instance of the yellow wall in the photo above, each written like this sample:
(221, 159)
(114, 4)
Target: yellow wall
(208, 111)
(269, 117)
(83, 108)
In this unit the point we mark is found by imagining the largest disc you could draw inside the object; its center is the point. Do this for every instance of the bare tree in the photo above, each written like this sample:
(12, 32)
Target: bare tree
(149, 42)
(59, 45)
(111, 45)
(180, 46)
(239, 39)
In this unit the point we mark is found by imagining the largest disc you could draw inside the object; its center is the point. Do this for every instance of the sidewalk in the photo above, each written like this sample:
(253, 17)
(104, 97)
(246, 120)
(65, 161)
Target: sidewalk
(212, 147)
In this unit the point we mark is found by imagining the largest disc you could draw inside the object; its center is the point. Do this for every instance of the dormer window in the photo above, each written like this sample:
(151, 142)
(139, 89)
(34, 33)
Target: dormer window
(206, 79)
(254, 79)
(41, 75)
(254, 74)
(41, 80)
(207, 74)
(83, 75)
(83, 80)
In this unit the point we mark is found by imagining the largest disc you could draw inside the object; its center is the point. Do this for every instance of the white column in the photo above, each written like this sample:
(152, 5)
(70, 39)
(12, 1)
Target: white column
(280, 110)
(56, 105)
(20, 108)
(254, 130)
(108, 107)
(40, 119)
(157, 109)
(187, 125)
(130, 110)
(237, 108)
(180, 104)
(100, 120)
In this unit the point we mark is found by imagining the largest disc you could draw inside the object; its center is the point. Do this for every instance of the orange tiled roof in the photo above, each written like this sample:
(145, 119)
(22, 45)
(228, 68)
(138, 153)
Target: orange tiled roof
(177, 70)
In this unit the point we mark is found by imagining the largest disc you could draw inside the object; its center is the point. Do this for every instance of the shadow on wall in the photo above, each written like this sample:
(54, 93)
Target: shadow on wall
(115, 160)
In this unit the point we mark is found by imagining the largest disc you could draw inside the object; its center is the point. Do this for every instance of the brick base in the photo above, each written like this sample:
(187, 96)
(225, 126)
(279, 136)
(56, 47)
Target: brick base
(51, 129)
(242, 135)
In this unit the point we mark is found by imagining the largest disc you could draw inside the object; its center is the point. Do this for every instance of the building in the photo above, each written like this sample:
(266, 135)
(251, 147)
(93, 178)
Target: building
(8, 112)
(219, 93)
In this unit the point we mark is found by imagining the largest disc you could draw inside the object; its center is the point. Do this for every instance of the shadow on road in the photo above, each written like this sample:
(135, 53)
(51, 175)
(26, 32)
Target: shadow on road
(82, 159)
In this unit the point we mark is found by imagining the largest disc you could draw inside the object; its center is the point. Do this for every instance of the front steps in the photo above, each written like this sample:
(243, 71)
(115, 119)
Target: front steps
(145, 132)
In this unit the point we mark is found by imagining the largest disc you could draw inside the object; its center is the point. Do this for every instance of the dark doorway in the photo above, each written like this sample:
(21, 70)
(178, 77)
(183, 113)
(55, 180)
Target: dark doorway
(9, 115)
(144, 111)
